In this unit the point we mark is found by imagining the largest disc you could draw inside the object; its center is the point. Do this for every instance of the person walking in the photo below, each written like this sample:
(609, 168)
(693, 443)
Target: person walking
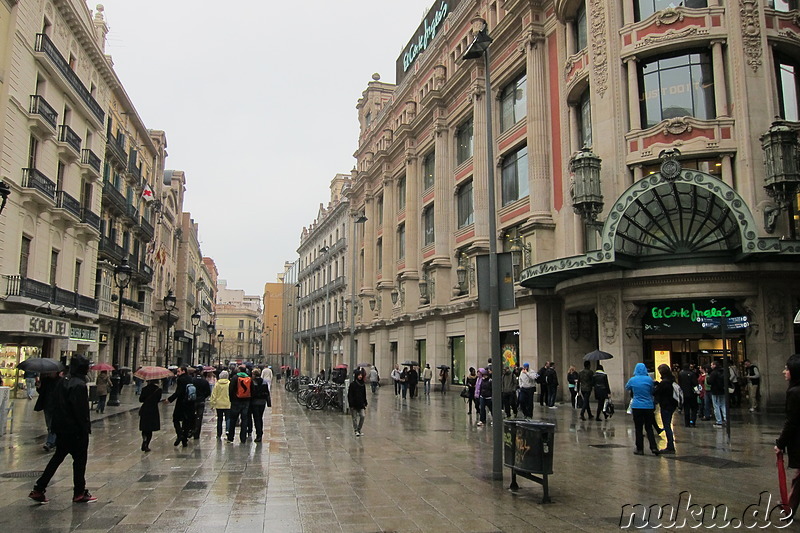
(471, 379)
(72, 425)
(552, 385)
(443, 376)
(688, 383)
(267, 375)
(357, 401)
(527, 388)
(585, 385)
(239, 390)
(574, 386)
(542, 380)
(413, 379)
(789, 439)
(602, 391)
(663, 393)
(395, 375)
(641, 386)
(509, 386)
(221, 402)
(44, 403)
(183, 415)
(485, 392)
(202, 393)
(753, 377)
(427, 375)
(716, 383)
(103, 385)
(404, 382)
(259, 401)
(30, 383)
(705, 393)
(374, 379)
(149, 417)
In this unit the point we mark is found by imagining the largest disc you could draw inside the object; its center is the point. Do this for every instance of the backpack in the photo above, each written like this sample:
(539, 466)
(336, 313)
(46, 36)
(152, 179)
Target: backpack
(191, 392)
(677, 394)
(244, 388)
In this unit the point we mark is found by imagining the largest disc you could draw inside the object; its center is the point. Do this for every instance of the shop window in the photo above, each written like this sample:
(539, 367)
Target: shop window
(581, 38)
(428, 171)
(711, 165)
(677, 86)
(783, 5)
(645, 8)
(428, 235)
(515, 176)
(464, 139)
(512, 103)
(585, 120)
(458, 354)
(401, 193)
(466, 210)
(401, 241)
(787, 74)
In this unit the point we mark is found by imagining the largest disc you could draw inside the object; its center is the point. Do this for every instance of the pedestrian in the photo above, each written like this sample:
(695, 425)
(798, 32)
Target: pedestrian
(585, 384)
(47, 384)
(239, 390)
(149, 417)
(138, 382)
(733, 379)
(471, 380)
(260, 399)
(753, 377)
(574, 387)
(221, 403)
(395, 375)
(267, 375)
(374, 379)
(705, 393)
(404, 382)
(427, 375)
(72, 426)
(30, 383)
(443, 375)
(716, 383)
(527, 388)
(641, 386)
(664, 394)
(202, 393)
(485, 393)
(508, 394)
(552, 385)
(413, 379)
(102, 386)
(789, 439)
(542, 381)
(357, 401)
(211, 377)
(183, 415)
(602, 391)
(688, 383)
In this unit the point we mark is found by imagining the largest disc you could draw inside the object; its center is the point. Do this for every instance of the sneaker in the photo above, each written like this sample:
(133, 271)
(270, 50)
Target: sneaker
(84, 498)
(669, 451)
(479, 424)
(718, 425)
(358, 434)
(38, 496)
(752, 410)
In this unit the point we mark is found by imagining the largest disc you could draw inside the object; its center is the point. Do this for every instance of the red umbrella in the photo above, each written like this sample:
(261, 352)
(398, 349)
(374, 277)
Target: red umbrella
(782, 484)
(99, 367)
(153, 372)
(340, 366)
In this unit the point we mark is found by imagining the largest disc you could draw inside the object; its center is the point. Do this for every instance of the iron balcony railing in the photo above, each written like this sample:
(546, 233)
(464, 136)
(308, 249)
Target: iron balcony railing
(146, 272)
(33, 179)
(112, 250)
(116, 149)
(147, 229)
(114, 197)
(68, 135)
(90, 158)
(88, 217)
(132, 213)
(45, 45)
(39, 106)
(67, 202)
(20, 286)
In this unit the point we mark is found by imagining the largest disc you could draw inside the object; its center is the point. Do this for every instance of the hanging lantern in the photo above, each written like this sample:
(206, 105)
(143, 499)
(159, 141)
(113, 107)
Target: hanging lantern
(587, 200)
(781, 177)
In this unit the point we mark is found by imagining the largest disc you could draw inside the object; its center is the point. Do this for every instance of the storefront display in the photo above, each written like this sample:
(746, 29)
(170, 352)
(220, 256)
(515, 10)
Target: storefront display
(10, 357)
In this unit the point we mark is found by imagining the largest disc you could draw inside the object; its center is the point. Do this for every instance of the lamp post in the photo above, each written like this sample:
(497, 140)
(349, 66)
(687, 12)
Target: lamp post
(480, 48)
(360, 219)
(324, 250)
(195, 322)
(276, 330)
(169, 304)
(220, 338)
(122, 277)
(211, 328)
(5, 191)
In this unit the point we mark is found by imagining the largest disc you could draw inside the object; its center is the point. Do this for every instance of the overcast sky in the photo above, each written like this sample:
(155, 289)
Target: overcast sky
(257, 99)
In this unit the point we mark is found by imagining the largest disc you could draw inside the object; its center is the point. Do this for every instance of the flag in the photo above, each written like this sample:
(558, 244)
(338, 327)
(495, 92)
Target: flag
(147, 193)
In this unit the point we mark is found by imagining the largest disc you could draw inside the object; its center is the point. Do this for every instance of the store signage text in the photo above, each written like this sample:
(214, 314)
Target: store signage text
(48, 325)
(423, 36)
(82, 334)
(691, 313)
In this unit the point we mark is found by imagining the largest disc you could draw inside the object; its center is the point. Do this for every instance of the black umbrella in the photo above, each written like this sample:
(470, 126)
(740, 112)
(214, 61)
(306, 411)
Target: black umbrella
(597, 355)
(41, 364)
(443, 367)
(411, 363)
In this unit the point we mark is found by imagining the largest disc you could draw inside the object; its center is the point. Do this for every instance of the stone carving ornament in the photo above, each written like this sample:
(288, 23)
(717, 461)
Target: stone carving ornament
(751, 32)
(671, 15)
(609, 314)
(776, 322)
(599, 46)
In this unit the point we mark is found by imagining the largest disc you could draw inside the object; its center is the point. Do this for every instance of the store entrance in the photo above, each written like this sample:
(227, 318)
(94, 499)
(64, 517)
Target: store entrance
(694, 350)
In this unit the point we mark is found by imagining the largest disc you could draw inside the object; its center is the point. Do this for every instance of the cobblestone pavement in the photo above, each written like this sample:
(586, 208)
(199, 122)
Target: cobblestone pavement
(422, 465)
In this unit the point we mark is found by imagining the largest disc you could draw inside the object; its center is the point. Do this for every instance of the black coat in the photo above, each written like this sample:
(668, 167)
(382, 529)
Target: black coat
(182, 406)
(71, 407)
(716, 380)
(149, 417)
(600, 385)
(789, 439)
(688, 381)
(662, 393)
(357, 395)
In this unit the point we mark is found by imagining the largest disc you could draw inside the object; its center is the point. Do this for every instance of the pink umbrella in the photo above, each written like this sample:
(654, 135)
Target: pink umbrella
(153, 372)
(99, 367)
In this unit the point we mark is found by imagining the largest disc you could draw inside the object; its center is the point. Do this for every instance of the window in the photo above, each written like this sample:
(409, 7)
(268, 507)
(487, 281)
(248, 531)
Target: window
(33, 150)
(24, 256)
(53, 266)
(464, 142)
(512, 103)
(60, 170)
(465, 207)
(711, 166)
(428, 171)
(379, 254)
(679, 86)
(240, 336)
(401, 193)
(380, 210)
(77, 283)
(585, 120)
(581, 39)
(427, 226)
(401, 241)
(783, 5)
(368, 119)
(241, 324)
(645, 8)
(787, 74)
(515, 176)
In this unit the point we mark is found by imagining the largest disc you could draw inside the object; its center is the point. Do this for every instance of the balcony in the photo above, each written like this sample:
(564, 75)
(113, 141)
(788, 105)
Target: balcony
(90, 219)
(146, 229)
(145, 272)
(111, 250)
(19, 288)
(42, 117)
(113, 198)
(69, 144)
(41, 188)
(68, 203)
(132, 213)
(116, 149)
(46, 47)
(90, 165)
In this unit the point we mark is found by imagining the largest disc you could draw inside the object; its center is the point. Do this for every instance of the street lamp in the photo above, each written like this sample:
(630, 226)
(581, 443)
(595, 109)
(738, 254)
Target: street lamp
(220, 338)
(276, 328)
(357, 219)
(169, 304)
(211, 328)
(122, 277)
(324, 250)
(195, 321)
(480, 48)
(5, 191)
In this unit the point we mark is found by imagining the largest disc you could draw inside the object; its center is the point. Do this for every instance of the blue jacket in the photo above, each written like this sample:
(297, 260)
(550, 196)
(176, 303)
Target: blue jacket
(641, 385)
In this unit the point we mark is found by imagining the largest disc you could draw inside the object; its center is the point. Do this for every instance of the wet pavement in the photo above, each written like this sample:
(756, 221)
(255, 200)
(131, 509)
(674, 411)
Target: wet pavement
(422, 465)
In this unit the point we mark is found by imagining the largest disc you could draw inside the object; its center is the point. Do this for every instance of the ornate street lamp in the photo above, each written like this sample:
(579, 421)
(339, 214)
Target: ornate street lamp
(195, 322)
(587, 200)
(220, 338)
(211, 328)
(782, 176)
(169, 305)
(122, 277)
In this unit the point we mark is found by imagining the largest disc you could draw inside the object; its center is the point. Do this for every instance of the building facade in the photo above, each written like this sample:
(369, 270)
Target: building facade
(239, 317)
(629, 178)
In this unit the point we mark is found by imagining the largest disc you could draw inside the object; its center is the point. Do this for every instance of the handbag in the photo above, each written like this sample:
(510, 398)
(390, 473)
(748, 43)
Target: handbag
(465, 392)
(609, 408)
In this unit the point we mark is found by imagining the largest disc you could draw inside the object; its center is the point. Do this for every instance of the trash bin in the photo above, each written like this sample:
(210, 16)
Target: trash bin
(509, 442)
(116, 383)
(92, 393)
(528, 450)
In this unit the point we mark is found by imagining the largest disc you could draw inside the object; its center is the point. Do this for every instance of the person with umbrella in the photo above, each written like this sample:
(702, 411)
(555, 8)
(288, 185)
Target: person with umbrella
(47, 385)
(149, 417)
(443, 377)
(413, 379)
(789, 439)
(103, 383)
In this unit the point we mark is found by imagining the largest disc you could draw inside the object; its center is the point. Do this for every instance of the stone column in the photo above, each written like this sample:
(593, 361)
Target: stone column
(720, 96)
(727, 169)
(389, 228)
(633, 94)
(538, 138)
(480, 190)
(369, 245)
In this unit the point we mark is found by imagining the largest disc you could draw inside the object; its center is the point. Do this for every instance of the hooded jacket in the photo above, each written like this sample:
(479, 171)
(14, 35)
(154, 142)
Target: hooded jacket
(641, 385)
(219, 395)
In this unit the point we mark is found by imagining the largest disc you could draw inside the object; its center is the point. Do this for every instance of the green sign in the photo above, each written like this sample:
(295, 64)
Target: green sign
(681, 316)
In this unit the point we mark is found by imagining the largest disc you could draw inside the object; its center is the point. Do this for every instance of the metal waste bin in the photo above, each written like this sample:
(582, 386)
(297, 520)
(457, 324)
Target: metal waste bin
(528, 450)
(92, 393)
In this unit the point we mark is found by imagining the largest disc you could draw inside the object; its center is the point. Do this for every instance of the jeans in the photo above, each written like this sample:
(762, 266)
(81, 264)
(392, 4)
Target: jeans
(374, 385)
(396, 387)
(573, 393)
(666, 423)
(586, 407)
(689, 408)
(509, 403)
(257, 412)
(526, 401)
(183, 422)
(426, 384)
(551, 395)
(30, 384)
(68, 444)
(486, 403)
(223, 414)
(720, 412)
(358, 419)
(239, 409)
(642, 419)
(708, 409)
(403, 389)
(199, 411)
